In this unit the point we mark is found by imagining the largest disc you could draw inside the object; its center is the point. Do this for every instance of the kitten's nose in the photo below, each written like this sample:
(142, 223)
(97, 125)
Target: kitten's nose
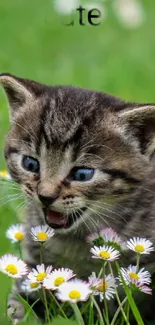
(47, 200)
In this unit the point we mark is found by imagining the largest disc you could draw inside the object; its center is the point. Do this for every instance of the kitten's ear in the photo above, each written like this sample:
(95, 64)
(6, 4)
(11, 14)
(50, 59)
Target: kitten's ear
(18, 91)
(138, 123)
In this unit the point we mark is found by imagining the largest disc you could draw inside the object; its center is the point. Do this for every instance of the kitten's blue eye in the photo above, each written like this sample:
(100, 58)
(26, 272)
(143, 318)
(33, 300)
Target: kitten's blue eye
(82, 174)
(30, 164)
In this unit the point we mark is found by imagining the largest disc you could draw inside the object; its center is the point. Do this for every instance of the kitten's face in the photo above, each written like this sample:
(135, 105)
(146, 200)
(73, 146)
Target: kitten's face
(71, 153)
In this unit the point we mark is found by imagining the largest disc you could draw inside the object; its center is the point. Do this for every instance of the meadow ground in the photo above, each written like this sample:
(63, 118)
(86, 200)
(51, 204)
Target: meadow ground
(34, 43)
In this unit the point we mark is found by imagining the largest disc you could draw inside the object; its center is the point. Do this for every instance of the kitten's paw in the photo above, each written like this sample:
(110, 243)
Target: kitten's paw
(16, 311)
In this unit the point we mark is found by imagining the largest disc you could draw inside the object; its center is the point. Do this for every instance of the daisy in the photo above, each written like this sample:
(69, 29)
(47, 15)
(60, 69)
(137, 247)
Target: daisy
(73, 291)
(30, 286)
(111, 238)
(40, 273)
(92, 238)
(130, 275)
(41, 233)
(57, 277)
(5, 175)
(145, 289)
(15, 233)
(102, 288)
(93, 281)
(140, 245)
(105, 253)
(13, 266)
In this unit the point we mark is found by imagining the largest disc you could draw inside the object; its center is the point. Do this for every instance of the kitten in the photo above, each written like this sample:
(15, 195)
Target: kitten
(84, 160)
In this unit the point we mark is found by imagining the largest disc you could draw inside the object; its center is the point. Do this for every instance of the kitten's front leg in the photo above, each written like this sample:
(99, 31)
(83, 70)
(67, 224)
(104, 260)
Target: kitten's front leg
(16, 310)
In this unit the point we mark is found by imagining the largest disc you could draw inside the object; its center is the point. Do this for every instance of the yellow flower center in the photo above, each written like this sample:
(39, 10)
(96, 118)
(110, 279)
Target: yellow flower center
(74, 294)
(42, 236)
(139, 248)
(4, 173)
(41, 276)
(34, 285)
(104, 254)
(59, 281)
(103, 286)
(19, 235)
(134, 275)
(12, 269)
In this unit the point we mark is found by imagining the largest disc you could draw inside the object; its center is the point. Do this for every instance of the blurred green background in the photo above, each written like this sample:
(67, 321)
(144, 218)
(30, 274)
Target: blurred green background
(36, 44)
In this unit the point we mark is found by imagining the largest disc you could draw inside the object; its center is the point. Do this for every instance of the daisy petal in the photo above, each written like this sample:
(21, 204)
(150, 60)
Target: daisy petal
(39, 273)
(105, 253)
(57, 277)
(73, 291)
(15, 233)
(13, 266)
(140, 245)
(42, 233)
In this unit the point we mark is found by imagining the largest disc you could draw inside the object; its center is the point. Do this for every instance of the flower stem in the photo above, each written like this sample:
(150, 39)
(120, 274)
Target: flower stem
(105, 301)
(98, 310)
(46, 305)
(78, 315)
(138, 261)
(20, 250)
(41, 252)
(118, 311)
(117, 297)
(58, 305)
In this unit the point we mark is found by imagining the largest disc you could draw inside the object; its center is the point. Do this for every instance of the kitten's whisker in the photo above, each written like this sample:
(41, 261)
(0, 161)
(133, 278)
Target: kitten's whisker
(94, 223)
(106, 209)
(101, 216)
(21, 205)
(19, 140)
(81, 216)
(10, 200)
(30, 134)
(93, 154)
(7, 196)
(9, 183)
(11, 189)
(95, 145)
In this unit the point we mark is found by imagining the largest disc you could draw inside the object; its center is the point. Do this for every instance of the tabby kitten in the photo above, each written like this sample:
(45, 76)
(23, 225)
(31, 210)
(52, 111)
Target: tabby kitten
(84, 160)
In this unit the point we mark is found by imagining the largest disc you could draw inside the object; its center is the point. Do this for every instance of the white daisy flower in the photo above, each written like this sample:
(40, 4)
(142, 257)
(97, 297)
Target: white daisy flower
(140, 245)
(102, 288)
(93, 237)
(130, 275)
(110, 237)
(105, 253)
(13, 266)
(15, 233)
(41, 233)
(73, 291)
(57, 277)
(40, 273)
(30, 286)
(5, 175)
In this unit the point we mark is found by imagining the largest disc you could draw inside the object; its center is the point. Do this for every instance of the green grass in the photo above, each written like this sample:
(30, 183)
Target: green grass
(34, 43)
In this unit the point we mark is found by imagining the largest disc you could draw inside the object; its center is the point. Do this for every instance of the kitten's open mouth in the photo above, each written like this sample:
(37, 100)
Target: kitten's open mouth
(58, 220)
